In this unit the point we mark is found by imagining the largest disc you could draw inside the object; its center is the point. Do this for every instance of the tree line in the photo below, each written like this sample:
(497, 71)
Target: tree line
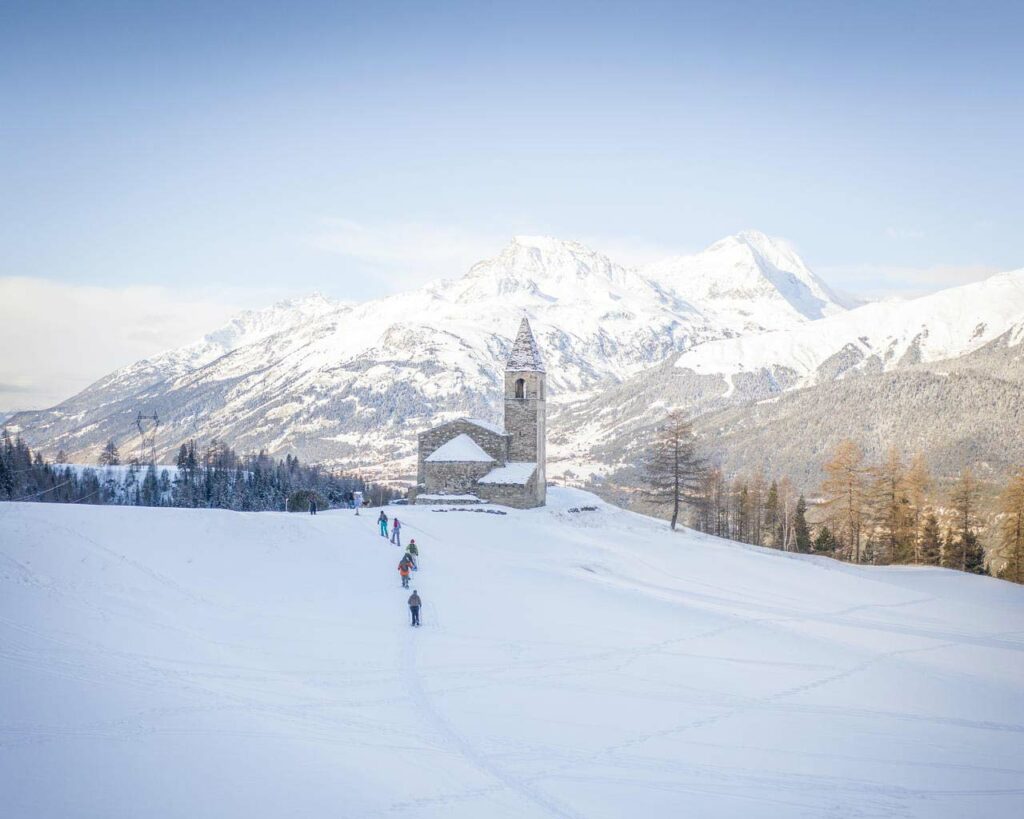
(209, 477)
(890, 512)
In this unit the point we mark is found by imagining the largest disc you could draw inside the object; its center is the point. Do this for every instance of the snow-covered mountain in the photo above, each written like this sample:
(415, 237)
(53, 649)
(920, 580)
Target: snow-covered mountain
(350, 383)
(197, 663)
(750, 274)
(942, 374)
(876, 337)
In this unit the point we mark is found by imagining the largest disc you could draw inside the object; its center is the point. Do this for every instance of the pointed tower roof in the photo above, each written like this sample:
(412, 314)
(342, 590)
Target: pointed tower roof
(525, 354)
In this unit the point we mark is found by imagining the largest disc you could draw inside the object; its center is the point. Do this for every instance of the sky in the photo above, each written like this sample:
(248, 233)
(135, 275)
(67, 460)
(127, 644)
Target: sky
(162, 165)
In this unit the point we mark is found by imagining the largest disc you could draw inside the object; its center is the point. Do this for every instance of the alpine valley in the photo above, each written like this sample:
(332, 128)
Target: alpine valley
(743, 334)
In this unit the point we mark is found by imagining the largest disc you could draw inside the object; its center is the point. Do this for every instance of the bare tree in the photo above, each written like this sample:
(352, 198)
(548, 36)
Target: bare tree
(109, 456)
(673, 472)
(1011, 530)
(918, 484)
(889, 505)
(964, 499)
(843, 492)
(787, 515)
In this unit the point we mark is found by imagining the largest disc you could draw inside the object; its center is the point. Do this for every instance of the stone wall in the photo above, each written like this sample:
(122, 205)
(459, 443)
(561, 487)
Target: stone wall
(454, 478)
(518, 496)
(492, 443)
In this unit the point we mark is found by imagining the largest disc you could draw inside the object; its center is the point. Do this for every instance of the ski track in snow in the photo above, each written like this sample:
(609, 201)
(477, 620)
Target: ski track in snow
(567, 667)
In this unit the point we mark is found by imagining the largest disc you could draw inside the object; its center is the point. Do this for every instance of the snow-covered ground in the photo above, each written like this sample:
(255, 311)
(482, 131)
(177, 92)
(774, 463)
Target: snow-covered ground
(176, 663)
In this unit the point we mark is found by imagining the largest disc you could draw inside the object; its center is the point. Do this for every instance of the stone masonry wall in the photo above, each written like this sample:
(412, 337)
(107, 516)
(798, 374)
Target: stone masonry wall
(454, 478)
(517, 496)
(492, 443)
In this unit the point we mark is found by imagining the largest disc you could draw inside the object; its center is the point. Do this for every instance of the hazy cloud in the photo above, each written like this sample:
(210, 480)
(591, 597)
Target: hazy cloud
(407, 253)
(57, 338)
(874, 281)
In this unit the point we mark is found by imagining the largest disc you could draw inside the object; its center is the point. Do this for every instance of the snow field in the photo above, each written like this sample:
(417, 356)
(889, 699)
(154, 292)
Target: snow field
(172, 663)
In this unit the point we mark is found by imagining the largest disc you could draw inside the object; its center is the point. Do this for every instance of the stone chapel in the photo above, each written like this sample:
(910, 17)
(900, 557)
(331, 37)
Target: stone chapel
(469, 461)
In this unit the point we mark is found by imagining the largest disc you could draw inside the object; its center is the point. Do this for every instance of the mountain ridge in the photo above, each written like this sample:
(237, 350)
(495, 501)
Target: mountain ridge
(350, 384)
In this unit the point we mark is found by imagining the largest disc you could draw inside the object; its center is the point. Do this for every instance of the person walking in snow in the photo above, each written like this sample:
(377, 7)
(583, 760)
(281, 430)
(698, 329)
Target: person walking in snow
(357, 500)
(396, 533)
(414, 607)
(382, 521)
(312, 506)
(404, 567)
(411, 560)
(412, 550)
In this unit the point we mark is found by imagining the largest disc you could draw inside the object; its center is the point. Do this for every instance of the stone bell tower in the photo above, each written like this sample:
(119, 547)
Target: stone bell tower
(526, 405)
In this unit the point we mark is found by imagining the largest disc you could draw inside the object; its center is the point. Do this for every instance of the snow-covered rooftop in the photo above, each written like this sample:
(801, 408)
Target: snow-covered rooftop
(488, 425)
(525, 354)
(458, 449)
(516, 472)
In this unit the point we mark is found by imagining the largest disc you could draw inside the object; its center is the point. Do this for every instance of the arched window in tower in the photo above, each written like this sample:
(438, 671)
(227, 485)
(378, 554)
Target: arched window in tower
(520, 388)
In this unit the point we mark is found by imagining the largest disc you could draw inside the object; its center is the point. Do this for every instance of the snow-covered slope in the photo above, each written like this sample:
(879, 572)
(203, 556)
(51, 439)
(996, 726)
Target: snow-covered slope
(882, 336)
(350, 383)
(180, 663)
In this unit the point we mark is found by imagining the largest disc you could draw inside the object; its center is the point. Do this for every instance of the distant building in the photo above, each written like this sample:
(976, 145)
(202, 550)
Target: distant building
(467, 459)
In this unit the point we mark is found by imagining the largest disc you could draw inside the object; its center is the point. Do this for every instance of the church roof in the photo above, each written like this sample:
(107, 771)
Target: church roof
(515, 473)
(490, 426)
(460, 449)
(525, 354)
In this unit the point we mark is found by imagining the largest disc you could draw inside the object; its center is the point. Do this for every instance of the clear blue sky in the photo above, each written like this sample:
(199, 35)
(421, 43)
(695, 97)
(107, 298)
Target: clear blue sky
(255, 144)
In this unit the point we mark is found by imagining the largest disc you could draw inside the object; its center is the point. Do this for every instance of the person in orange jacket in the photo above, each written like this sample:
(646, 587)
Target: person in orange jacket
(404, 568)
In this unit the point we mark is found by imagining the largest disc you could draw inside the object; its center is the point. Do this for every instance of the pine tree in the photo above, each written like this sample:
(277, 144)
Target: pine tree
(110, 456)
(150, 493)
(1011, 529)
(930, 550)
(974, 554)
(673, 471)
(771, 518)
(825, 541)
(802, 532)
(743, 515)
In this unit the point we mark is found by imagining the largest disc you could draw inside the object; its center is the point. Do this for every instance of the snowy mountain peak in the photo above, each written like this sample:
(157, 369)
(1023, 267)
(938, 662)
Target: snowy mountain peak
(543, 267)
(754, 272)
(884, 335)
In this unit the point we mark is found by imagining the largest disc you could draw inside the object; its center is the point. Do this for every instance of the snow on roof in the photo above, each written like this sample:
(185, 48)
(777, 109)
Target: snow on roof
(525, 354)
(516, 472)
(488, 425)
(460, 448)
(460, 498)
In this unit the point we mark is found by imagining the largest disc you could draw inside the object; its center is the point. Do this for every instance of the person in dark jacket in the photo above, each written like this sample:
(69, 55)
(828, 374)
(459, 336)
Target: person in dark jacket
(312, 506)
(382, 521)
(414, 607)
